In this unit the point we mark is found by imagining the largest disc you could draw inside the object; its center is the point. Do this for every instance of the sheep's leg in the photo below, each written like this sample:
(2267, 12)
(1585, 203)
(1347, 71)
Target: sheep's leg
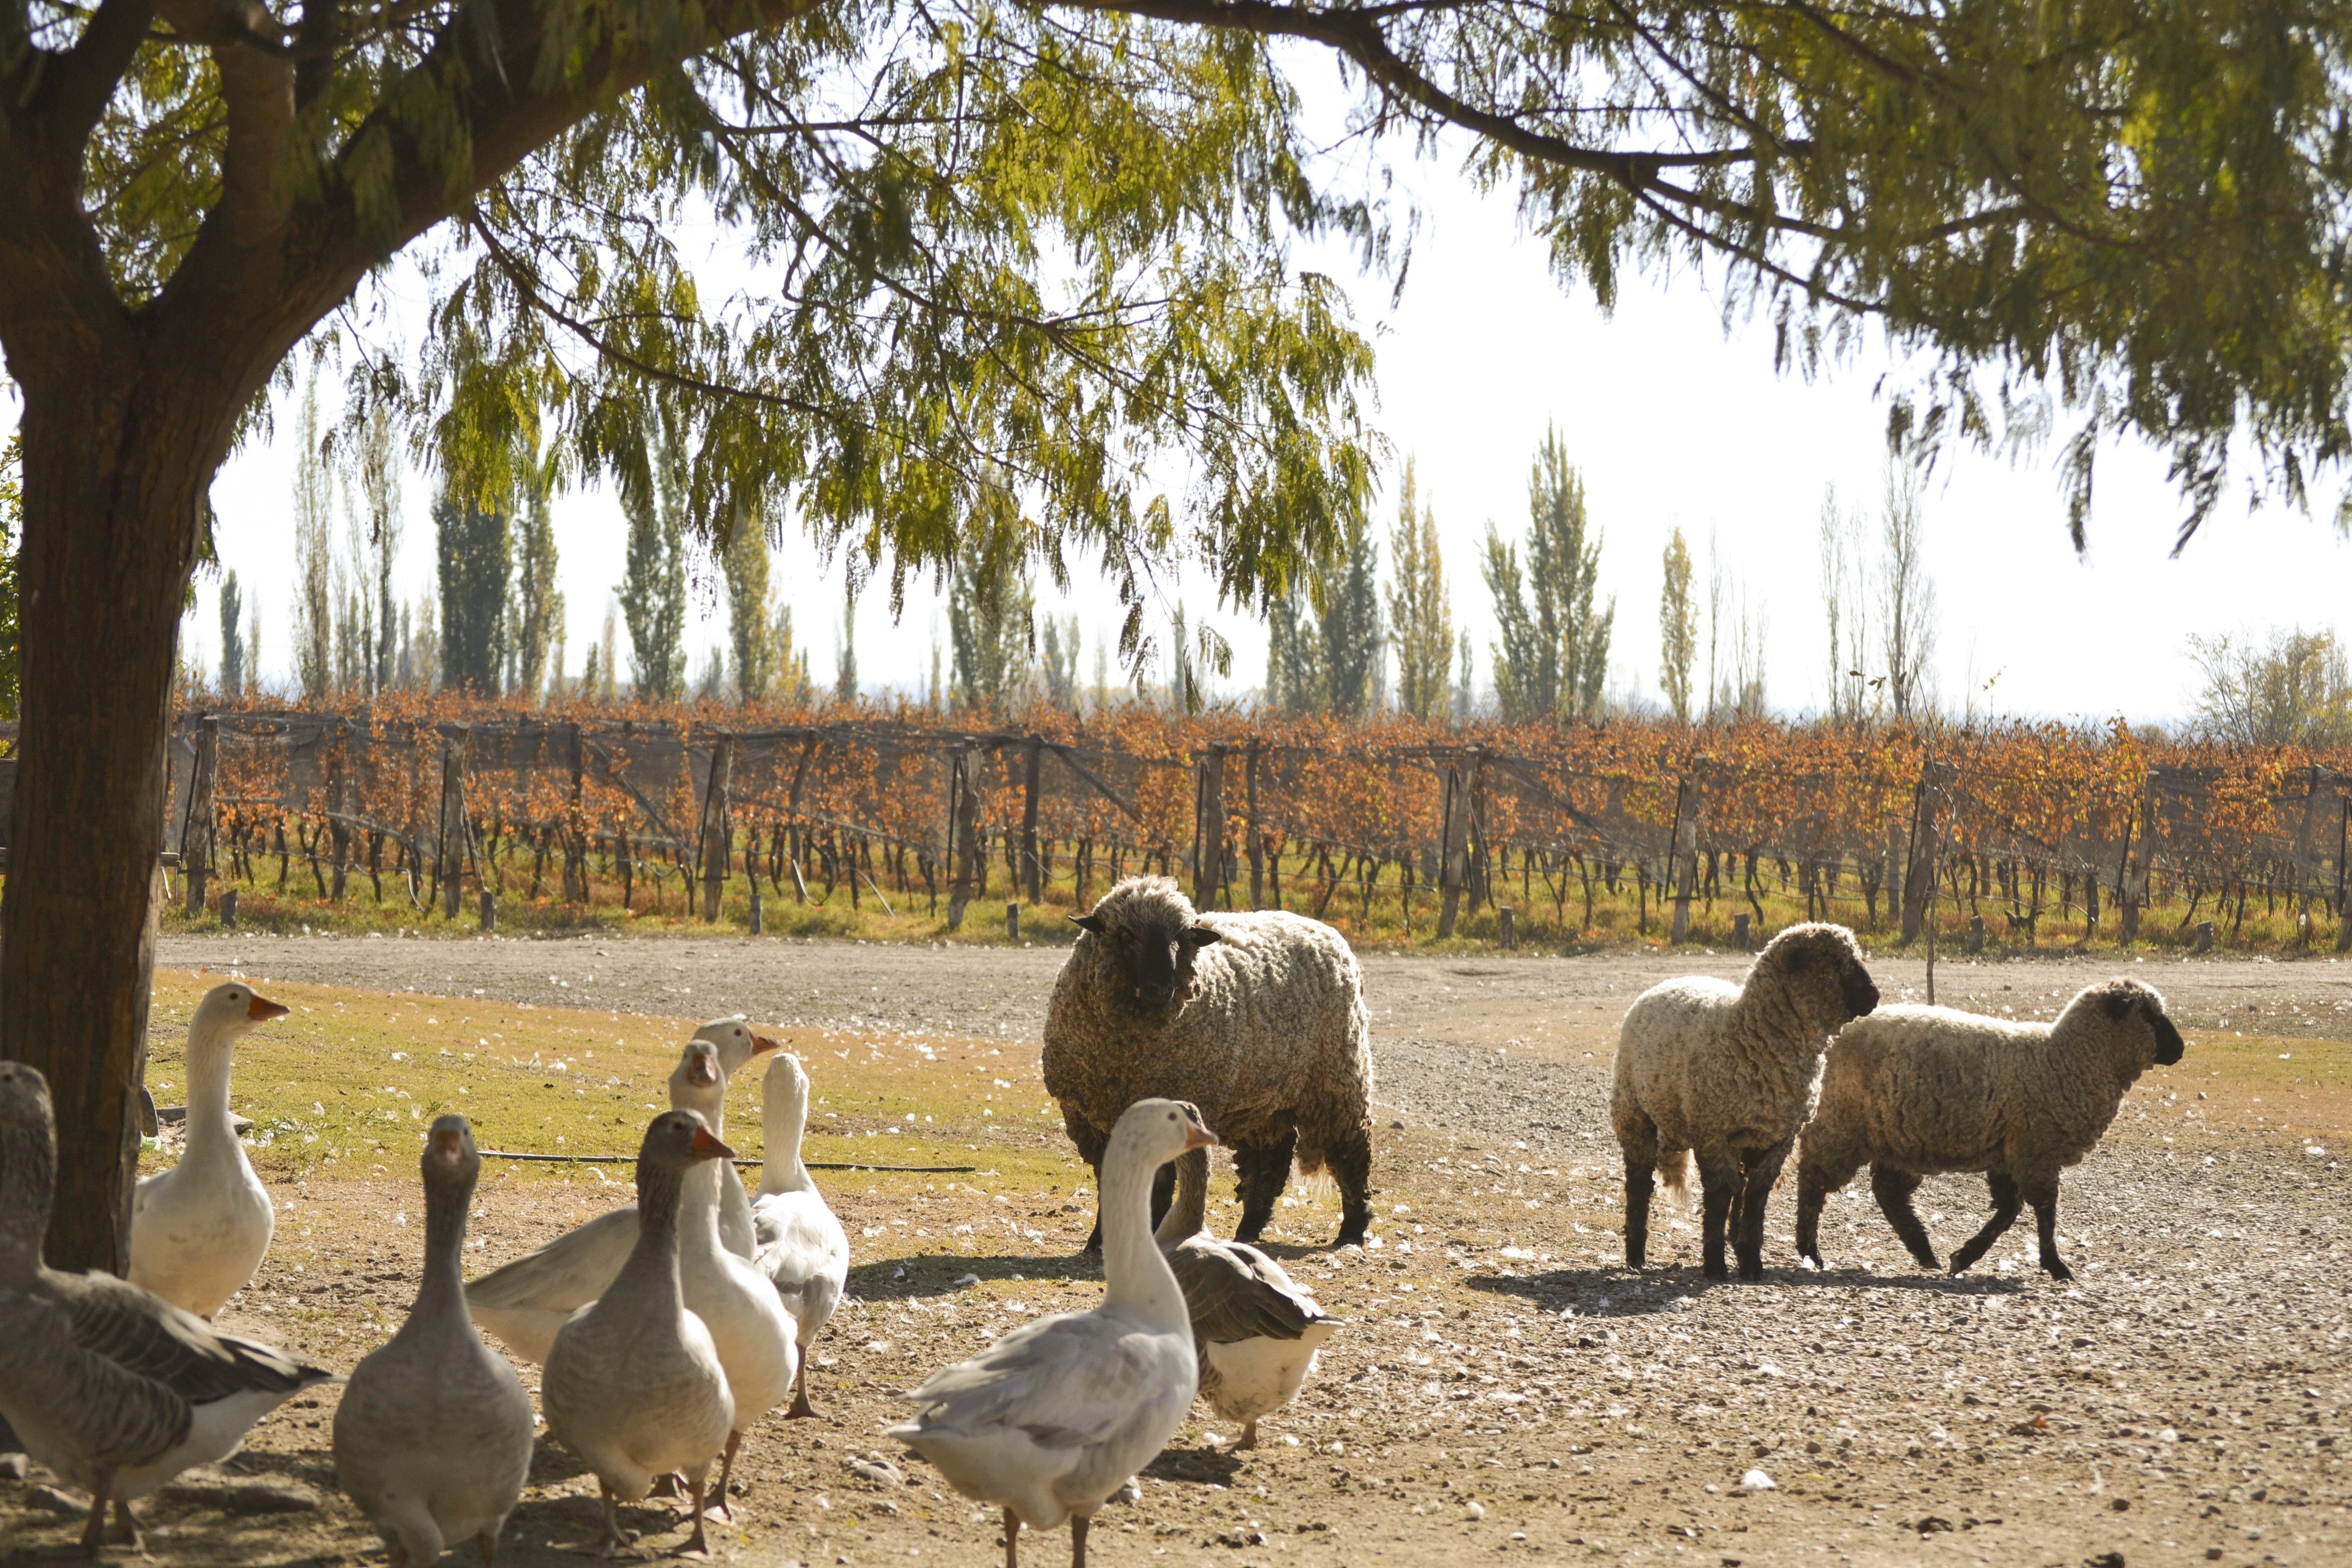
(1755, 1191)
(1817, 1177)
(2005, 1204)
(1892, 1188)
(2043, 1196)
(1091, 1143)
(1719, 1178)
(1351, 1162)
(1640, 1179)
(1260, 1172)
(1164, 1192)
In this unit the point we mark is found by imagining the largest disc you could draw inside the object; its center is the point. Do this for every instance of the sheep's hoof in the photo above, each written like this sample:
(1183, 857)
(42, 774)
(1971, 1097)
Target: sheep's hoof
(2057, 1268)
(1752, 1272)
(1714, 1270)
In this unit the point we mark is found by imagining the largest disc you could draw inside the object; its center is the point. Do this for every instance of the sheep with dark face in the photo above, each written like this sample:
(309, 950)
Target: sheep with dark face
(1257, 1018)
(1918, 1091)
(1730, 1073)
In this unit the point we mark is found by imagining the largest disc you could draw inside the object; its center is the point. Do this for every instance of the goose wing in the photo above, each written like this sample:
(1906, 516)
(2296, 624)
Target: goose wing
(569, 1272)
(1067, 1381)
(149, 1338)
(1235, 1292)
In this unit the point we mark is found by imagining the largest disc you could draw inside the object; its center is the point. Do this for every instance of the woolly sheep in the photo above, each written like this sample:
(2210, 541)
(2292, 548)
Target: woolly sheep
(1916, 1091)
(1257, 1018)
(1730, 1073)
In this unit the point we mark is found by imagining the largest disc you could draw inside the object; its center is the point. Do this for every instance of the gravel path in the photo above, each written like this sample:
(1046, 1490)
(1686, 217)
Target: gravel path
(1504, 1385)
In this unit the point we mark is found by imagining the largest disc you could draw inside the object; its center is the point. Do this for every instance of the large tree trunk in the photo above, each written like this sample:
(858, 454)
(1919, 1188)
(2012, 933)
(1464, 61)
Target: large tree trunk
(115, 467)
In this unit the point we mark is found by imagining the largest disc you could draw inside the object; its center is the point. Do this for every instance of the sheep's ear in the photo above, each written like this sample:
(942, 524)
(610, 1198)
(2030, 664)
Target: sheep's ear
(2120, 1004)
(1197, 937)
(1093, 923)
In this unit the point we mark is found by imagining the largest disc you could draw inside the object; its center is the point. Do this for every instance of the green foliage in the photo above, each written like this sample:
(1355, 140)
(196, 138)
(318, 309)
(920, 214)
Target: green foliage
(1421, 615)
(232, 634)
(990, 612)
(652, 591)
(1554, 655)
(1677, 628)
(535, 615)
(752, 643)
(475, 557)
(314, 557)
(1297, 681)
(1057, 661)
(1349, 600)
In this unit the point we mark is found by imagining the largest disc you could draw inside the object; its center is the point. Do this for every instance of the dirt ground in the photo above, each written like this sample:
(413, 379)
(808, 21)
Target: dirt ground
(1503, 1386)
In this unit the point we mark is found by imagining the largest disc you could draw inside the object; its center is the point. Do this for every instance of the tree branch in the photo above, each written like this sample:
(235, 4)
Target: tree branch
(75, 86)
(1359, 37)
(257, 91)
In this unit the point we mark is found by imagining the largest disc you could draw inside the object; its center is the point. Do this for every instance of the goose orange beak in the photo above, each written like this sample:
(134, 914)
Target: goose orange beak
(707, 1147)
(261, 1009)
(1198, 1137)
(761, 1043)
(448, 1144)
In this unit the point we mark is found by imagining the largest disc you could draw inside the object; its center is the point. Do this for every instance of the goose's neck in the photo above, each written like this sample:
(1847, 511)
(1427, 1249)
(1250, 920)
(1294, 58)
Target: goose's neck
(442, 1293)
(28, 1169)
(784, 1121)
(653, 1262)
(1138, 1283)
(208, 1063)
(698, 1214)
(1190, 1213)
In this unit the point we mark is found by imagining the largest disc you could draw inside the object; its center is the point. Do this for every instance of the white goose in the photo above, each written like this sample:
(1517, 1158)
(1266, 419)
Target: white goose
(432, 1437)
(111, 1386)
(200, 1229)
(1054, 1417)
(633, 1384)
(525, 1302)
(1256, 1332)
(797, 1240)
(731, 1294)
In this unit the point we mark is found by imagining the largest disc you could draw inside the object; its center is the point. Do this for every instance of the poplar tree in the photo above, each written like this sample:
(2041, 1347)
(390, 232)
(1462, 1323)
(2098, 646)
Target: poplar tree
(473, 555)
(314, 557)
(751, 637)
(536, 620)
(1354, 643)
(231, 675)
(1421, 615)
(652, 591)
(1677, 628)
(1554, 655)
(990, 610)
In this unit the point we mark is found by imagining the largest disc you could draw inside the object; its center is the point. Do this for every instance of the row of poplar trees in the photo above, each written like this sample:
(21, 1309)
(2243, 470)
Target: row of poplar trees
(1328, 640)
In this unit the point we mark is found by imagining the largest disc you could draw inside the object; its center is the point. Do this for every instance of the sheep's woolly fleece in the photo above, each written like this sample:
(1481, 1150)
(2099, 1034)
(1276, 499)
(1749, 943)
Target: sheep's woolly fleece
(1711, 1066)
(1931, 1089)
(1273, 1028)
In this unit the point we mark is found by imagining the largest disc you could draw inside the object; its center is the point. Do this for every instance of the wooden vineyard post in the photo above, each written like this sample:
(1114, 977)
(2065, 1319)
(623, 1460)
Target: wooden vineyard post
(718, 836)
(575, 824)
(1452, 850)
(1033, 865)
(449, 860)
(1741, 934)
(963, 835)
(2343, 833)
(2137, 859)
(1256, 834)
(1684, 850)
(338, 807)
(196, 831)
(1013, 920)
(1507, 922)
(1918, 867)
(1208, 828)
(793, 815)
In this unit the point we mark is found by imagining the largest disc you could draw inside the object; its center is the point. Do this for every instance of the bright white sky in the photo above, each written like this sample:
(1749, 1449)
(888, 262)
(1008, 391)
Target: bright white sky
(1674, 421)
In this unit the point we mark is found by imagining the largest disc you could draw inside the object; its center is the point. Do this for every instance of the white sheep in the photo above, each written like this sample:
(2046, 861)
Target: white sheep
(1258, 1020)
(1917, 1091)
(1729, 1073)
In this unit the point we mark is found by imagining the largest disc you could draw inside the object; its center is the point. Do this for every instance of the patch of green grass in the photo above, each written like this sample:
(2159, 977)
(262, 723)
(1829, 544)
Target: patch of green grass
(348, 1083)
